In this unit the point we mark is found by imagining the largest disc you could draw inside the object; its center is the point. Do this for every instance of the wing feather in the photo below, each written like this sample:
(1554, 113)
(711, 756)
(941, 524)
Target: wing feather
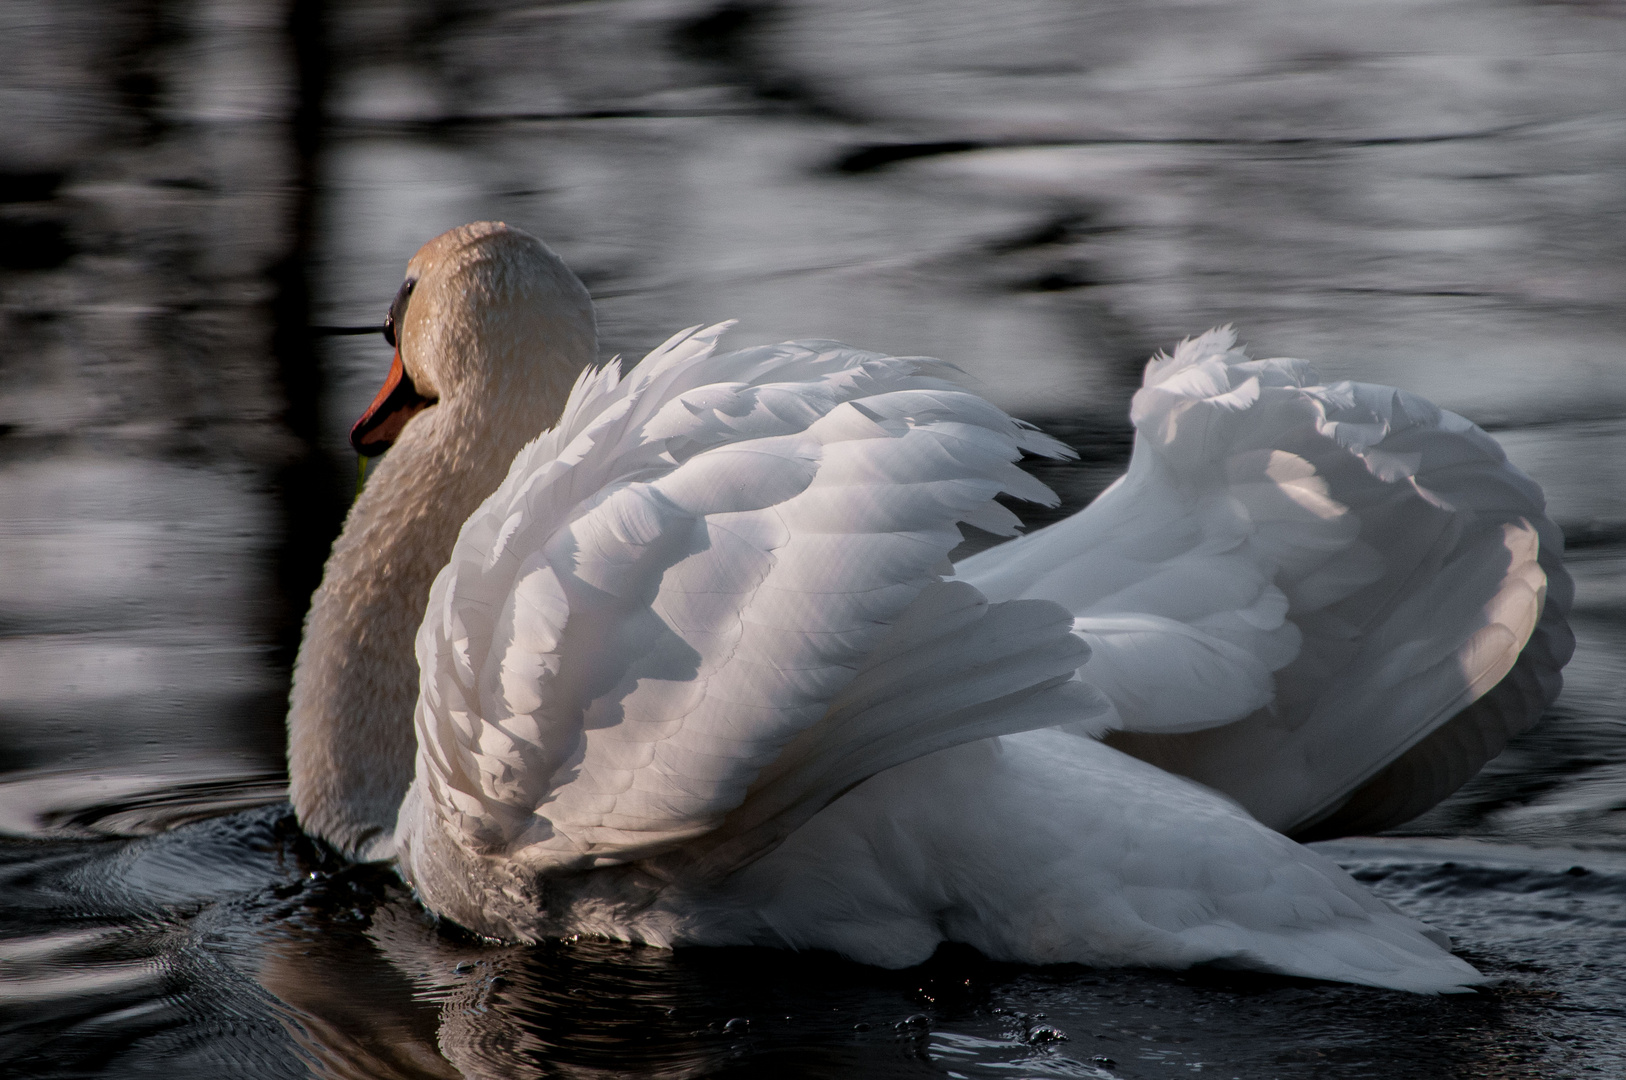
(711, 591)
(1295, 586)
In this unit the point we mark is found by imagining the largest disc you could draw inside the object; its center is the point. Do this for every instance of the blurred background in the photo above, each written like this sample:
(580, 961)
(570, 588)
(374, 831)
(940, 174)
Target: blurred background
(195, 193)
(1428, 193)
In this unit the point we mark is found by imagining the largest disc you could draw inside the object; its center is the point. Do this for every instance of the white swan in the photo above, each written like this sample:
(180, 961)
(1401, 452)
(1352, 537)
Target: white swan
(695, 668)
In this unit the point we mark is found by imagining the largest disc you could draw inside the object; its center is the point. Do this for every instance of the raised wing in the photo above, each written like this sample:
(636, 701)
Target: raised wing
(1333, 603)
(704, 584)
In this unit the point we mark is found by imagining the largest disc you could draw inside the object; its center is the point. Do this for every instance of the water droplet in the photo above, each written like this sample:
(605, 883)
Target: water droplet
(918, 1020)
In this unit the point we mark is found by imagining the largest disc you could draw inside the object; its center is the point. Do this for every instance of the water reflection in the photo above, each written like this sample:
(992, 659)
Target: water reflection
(144, 196)
(1044, 192)
(237, 943)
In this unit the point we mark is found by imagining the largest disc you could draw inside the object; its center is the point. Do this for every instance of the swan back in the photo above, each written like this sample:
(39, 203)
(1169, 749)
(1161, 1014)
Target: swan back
(494, 331)
(705, 605)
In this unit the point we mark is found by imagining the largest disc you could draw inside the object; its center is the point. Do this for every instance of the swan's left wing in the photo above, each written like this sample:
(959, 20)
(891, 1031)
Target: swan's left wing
(1332, 603)
(720, 578)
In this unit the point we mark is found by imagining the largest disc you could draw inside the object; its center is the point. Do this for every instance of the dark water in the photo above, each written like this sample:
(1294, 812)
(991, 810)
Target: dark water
(236, 946)
(1046, 191)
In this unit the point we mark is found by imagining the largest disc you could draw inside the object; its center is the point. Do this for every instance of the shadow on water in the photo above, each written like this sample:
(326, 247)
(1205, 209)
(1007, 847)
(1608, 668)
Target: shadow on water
(1045, 198)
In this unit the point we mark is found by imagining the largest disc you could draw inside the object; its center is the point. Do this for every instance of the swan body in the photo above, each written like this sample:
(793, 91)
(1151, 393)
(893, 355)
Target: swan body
(692, 666)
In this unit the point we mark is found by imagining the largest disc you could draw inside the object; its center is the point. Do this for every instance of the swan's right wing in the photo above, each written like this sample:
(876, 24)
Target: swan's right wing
(1333, 603)
(715, 588)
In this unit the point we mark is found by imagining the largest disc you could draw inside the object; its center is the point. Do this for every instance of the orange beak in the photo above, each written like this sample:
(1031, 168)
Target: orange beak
(397, 402)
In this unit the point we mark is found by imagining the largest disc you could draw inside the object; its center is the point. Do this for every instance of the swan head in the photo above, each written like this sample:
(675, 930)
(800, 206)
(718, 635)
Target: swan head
(490, 331)
(487, 314)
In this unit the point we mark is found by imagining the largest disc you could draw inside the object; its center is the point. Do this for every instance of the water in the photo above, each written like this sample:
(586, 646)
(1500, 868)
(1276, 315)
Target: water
(235, 946)
(1045, 192)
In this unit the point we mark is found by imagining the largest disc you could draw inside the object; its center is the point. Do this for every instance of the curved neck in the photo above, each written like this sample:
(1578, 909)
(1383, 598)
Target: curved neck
(350, 735)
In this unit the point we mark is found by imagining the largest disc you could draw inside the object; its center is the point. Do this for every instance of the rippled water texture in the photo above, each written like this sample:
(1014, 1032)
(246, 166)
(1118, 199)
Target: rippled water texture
(1428, 194)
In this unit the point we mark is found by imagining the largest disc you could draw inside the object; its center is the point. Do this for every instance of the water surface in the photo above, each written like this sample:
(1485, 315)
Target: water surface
(1426, 194)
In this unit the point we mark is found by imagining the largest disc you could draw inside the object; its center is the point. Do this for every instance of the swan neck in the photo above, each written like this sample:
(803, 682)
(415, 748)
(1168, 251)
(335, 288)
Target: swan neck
(351, 740)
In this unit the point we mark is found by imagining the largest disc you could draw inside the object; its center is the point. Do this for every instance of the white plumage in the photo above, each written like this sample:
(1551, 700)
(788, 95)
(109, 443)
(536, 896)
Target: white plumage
(1314, 578)
(698, 670)
(669, 597)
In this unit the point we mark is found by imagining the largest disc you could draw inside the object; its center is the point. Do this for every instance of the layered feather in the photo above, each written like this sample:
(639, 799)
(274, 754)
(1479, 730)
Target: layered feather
(715, 588)
(1296, 586)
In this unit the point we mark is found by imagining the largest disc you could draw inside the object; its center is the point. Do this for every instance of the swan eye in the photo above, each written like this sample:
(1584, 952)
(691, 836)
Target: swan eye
(398, 309)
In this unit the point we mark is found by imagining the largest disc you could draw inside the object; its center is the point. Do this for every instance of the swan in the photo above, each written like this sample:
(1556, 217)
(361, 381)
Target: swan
(676, 655)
